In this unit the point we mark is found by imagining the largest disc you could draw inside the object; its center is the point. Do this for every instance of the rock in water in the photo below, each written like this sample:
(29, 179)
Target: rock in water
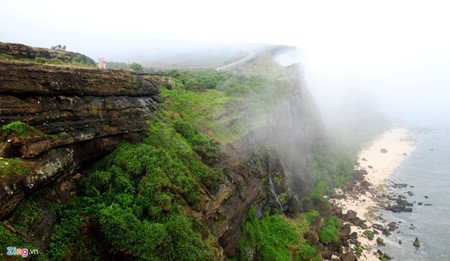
(380, 241)
(416, 242)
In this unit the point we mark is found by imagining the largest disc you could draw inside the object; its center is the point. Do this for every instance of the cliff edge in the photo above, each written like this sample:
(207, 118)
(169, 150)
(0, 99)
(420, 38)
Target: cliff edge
(56, 118)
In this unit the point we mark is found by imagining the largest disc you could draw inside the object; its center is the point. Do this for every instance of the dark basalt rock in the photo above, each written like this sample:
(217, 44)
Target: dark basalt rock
(416, 242)
(399, 208)
(348, 256)
(345, 230)
(312, 237)
(351, 214)
(317, 223)
(378, 226)
(79, 114)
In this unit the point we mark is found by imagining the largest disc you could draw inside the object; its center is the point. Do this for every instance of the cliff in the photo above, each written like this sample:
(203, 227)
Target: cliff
(72, 115)
(221, 152)
(15, 51)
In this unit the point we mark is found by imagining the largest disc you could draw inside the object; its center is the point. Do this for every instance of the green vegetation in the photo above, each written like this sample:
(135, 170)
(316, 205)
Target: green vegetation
(275, 238)
(330, 169)
(358, 249)
(13, 167)
(56, 55)
(136, 67)
(369, 234)
(145, 201)
(330, 232)
(26, 213)
(137, 198)
(215, 102)
(203, 145)
(380, 241)
(10, 238)
(18, 128)
(310, 215)
(199, 80)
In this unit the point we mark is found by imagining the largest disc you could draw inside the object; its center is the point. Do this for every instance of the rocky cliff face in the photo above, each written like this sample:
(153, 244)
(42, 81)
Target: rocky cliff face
(70, 115)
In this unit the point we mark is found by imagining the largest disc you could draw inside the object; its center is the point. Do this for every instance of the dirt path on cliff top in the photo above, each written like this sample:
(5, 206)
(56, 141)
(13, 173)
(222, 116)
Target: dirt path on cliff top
(250, 55)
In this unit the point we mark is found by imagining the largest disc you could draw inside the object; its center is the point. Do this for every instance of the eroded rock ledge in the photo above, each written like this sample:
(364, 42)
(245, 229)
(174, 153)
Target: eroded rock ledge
(78, 114)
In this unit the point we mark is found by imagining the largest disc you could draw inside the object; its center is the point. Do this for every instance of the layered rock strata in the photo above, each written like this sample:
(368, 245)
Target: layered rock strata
(75, 115)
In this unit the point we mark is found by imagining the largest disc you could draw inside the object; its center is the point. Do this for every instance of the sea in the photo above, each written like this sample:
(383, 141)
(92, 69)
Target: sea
(427, 173)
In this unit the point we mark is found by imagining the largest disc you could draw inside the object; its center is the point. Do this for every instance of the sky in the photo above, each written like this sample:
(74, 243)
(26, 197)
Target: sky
(394, 54)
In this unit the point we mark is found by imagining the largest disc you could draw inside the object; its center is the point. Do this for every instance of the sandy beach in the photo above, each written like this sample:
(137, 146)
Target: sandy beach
(379, 158)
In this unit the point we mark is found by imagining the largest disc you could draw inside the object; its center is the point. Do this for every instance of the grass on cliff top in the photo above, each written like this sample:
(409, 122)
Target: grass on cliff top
(225, 106)
(275, 237)
(58, 57)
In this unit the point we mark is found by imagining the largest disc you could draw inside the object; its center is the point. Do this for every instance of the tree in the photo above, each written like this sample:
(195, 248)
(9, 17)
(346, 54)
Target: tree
(136, 67)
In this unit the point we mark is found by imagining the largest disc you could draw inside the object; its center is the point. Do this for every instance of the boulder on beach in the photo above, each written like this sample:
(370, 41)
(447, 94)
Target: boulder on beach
(351, 214)
(416, 242)
(383, 150)
(353, 235)
(378, 226)
(317, 223)
(336, 210)
(311, 236)
(348, 256)
(380, 241)
(383, 256)
(345, 230)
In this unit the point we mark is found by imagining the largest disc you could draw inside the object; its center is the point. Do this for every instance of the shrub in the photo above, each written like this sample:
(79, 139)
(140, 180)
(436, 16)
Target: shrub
(307, 252)
(330, 232)
(204, 146)
(19, 128)
(369, 234)
(311, 215)
(136, 67)
(274, 237)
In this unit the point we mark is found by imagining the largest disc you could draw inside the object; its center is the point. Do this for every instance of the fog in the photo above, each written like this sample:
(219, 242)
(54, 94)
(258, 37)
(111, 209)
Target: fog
(392, 56)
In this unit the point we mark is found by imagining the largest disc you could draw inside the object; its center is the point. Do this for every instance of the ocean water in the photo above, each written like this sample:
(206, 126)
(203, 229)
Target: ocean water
(427, 169)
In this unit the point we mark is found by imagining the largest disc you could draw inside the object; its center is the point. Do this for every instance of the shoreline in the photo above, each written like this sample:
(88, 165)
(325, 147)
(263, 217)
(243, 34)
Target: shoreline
(376, 162)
